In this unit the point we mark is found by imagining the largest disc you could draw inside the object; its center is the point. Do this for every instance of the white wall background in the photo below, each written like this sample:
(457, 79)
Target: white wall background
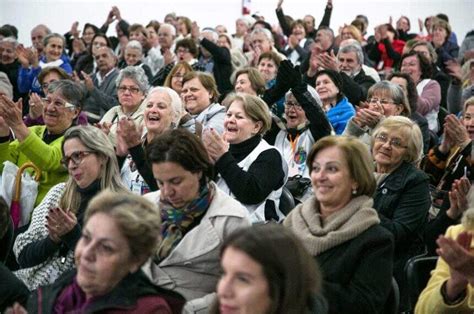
(59, 14)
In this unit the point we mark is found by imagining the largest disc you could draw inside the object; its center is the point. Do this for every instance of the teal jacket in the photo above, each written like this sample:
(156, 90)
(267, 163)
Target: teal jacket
(47, 157)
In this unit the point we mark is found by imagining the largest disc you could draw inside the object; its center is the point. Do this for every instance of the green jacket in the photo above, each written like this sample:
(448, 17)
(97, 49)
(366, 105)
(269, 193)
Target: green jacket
(47, 157)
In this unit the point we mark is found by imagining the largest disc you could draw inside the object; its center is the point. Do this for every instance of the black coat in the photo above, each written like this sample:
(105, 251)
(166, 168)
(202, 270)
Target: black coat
(357, 274)
(402, 201)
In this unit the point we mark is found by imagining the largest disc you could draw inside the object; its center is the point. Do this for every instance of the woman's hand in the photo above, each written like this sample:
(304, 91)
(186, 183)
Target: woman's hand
(129, 133)
(22, 55)
(367, 117)
(36, 106)
(458, 198)
(215, 144)
(88, 81)
(461, 262)
(60, 222)
(329, 61)
(456, 131)
(104, 127)
(11, 113)
(280, 2)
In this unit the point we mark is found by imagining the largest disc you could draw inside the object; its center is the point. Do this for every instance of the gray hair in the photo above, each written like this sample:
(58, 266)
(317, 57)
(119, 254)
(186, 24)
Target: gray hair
(177, 105)
(170, 27)
(211, 31)
(134, 44)
(353, 47)
(43, 27)
(135, 73)
(10, 40)
(396, 93)
(311, 91)
(409, 130)
(96, 141)
(54, 35)
(429, 46)
(263, 31)
(70, 90)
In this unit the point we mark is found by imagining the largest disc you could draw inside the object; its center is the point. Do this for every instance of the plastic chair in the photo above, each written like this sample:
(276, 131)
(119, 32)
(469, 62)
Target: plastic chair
(418, 272)
(287, 202)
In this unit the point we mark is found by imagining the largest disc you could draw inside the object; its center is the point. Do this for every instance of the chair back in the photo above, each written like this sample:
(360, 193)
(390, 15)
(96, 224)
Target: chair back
(418, 272)
(287, 202)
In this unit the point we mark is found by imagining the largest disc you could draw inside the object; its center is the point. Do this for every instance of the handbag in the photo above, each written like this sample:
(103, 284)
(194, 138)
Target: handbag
(19, 189)
(297, 185)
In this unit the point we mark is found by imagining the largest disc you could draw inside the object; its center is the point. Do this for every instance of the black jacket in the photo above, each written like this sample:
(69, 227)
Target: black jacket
(357, 274)
(124, 296)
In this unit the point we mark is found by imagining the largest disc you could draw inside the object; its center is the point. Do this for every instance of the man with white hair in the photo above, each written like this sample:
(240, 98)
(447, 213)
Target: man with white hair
(38, 33)
(166, 37)
(242, 27)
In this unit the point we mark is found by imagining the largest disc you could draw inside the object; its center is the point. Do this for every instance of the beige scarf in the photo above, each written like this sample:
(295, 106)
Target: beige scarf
(319, 235)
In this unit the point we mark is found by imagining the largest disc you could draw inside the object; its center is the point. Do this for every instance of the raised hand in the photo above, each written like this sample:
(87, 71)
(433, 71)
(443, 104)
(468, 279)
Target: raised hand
(129, 132)
(280, 2)
(329, 61)
(454, 69)
(36, 106)
(88, 81)
(104, 127)
(22, 55)
(456, 131)
(215, 144)
(458, 198)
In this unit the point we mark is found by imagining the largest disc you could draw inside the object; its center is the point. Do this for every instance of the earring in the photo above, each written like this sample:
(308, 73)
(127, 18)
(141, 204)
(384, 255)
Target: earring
(354, 191)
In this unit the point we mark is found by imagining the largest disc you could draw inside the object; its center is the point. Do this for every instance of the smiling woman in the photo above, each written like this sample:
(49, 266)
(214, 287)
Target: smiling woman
(41, 144)
(45, 250)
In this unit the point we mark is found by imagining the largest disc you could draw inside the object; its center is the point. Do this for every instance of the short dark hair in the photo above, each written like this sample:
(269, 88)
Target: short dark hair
(182, 147)
(207, 80)
(189, 44)
(425, 66)
(412, 93)
(335, 78)
(281, 255)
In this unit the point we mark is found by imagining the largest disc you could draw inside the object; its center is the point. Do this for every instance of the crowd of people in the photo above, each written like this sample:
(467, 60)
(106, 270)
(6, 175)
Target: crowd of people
(291, 168)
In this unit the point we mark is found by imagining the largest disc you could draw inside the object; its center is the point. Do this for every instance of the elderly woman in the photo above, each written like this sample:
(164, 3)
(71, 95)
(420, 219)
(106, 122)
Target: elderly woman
(338, 109)
(305, 123)
(133, 56)
(250, 169)
(40, 144)
(200, 97)
(9, 63)
(402, 198)
(270, 254)
(405, 81)
(121, 231)
(384, 99)
(163, 110)
(174, 80)
(450, 289)
(45, 250)
(446, 49)
(298, 45)
(268, 65)
(429, 91)
(340, 228)
(196, 216)
(31, 65)
(132, 87)
(250, 81)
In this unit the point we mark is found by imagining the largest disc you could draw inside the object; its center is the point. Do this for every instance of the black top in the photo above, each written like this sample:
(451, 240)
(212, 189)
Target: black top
(263, 176)
(39, 251)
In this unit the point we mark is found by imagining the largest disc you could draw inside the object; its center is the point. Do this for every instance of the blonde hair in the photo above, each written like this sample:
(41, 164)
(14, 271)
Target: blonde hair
(96, 141)
(138, 220)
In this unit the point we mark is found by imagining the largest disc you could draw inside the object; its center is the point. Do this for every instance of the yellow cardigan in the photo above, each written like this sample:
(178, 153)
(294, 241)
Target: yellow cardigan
(431, 301)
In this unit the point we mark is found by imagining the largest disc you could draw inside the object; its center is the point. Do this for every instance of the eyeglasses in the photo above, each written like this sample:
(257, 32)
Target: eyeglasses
(76, 158)
(394, 142)
(58, 103)
(289, 104)
(382, 102)
(46, 85)
(182, 50)
(131, 89)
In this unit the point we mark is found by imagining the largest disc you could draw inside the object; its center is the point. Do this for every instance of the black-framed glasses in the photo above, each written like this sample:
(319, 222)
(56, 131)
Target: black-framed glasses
(131, 89)
(394, 142)
(76, 157)
(293, 104)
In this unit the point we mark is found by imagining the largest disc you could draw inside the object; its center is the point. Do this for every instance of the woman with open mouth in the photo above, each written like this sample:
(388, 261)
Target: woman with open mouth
(249, 169)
